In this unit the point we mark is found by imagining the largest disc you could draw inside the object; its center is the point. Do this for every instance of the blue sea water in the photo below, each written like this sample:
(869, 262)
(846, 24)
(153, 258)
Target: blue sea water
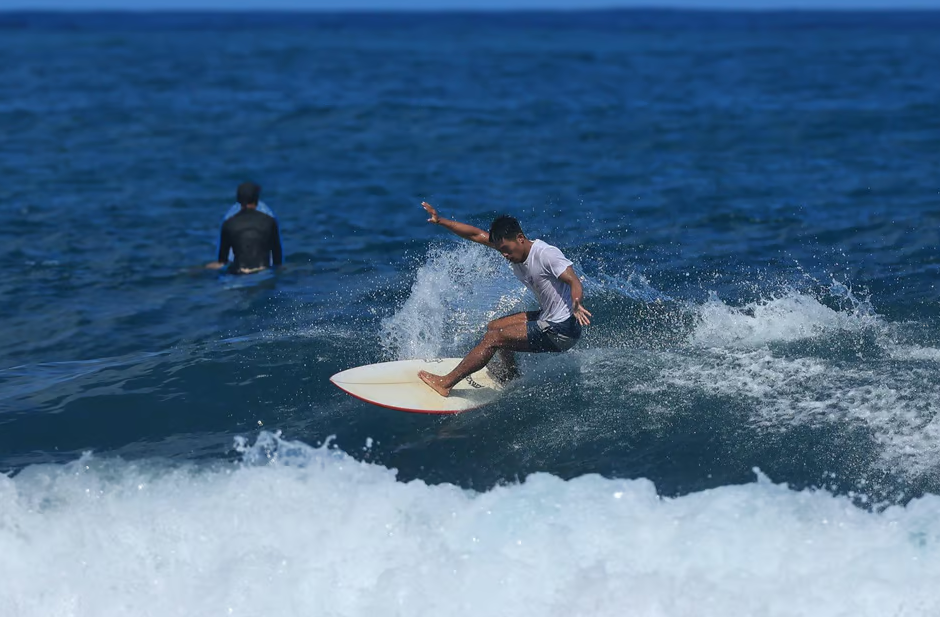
(749, 427)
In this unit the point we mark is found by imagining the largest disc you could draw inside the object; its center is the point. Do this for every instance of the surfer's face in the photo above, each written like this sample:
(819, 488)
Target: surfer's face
(514, 250)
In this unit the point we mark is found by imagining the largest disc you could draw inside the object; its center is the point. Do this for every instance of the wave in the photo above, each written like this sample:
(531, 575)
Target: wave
(816, 361)
(802, 383)
(789, 316)
(454, 294)
(296, 530)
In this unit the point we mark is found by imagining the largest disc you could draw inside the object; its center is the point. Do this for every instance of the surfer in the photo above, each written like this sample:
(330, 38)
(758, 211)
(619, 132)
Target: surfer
(547, 273)
(250, 235)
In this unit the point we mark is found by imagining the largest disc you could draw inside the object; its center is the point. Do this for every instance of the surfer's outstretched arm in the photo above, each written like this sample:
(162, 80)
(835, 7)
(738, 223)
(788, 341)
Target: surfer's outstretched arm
(461, 229)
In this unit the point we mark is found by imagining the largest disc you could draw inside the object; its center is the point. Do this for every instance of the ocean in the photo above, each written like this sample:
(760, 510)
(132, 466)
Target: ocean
(749, 427)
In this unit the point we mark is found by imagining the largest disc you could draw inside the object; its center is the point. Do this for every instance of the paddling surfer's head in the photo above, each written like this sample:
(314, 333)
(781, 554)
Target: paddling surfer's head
(248, 194)
(507, 236)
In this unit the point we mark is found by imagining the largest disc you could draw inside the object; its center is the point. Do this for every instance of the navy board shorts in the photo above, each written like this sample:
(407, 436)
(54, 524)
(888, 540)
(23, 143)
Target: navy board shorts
(548, 336)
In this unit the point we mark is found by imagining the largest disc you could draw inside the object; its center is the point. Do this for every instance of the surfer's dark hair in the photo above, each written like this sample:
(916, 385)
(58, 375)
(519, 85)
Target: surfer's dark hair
(504, 227)
(248, 193)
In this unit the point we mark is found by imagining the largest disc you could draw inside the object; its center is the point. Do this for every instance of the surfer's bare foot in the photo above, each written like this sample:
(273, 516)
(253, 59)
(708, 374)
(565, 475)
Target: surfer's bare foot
(436, 382)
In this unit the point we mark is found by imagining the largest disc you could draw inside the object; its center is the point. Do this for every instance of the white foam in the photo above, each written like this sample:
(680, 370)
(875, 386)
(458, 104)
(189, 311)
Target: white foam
(792, 316)
(916, 353)
(899, 406)
(314, 532)
(897, 403)
(455, 293)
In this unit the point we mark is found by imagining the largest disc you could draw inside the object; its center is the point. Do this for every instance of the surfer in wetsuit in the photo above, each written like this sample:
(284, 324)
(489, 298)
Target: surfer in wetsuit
(548, 274)
(250, 233)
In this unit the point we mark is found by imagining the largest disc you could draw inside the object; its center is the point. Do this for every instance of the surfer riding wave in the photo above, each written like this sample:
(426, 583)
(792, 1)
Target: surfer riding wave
(541, 267)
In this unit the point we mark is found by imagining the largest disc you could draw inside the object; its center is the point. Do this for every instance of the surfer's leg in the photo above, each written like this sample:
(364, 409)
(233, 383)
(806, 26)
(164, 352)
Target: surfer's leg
(508, 320)
(507, 369)
(513, 337)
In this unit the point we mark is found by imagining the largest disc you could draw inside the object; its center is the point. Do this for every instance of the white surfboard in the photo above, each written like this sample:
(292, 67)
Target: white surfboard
(396, 385)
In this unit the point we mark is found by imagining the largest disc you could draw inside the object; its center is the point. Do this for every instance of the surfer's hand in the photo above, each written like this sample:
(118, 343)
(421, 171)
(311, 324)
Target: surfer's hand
(431, 211)
(581, 314)
(215, 265)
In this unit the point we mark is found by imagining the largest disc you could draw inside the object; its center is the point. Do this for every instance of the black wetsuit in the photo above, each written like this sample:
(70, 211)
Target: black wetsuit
(254, 238)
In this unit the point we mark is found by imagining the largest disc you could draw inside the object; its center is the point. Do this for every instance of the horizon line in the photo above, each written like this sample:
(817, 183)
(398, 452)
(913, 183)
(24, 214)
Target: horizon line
(472, 10)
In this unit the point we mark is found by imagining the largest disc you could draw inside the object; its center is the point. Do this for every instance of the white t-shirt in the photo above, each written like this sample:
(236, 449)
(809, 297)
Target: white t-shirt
(540, 272)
